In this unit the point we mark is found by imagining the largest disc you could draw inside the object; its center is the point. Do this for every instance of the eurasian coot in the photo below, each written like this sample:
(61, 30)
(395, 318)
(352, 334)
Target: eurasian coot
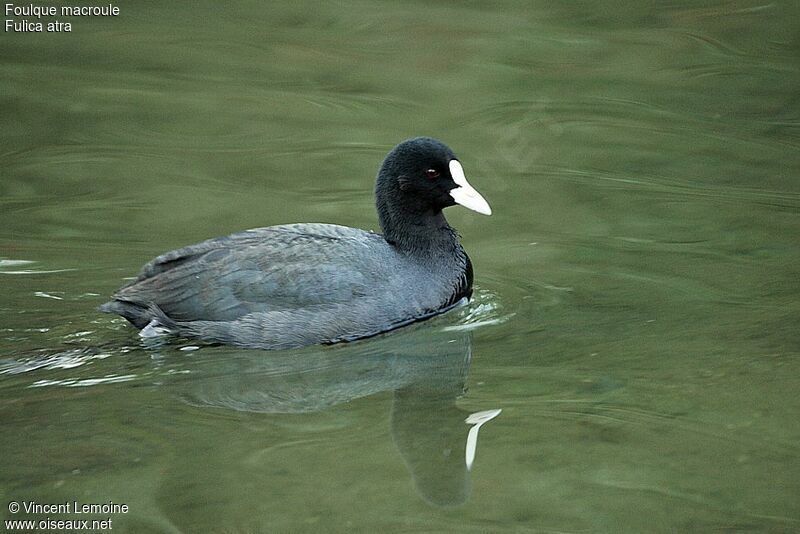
(300, 284)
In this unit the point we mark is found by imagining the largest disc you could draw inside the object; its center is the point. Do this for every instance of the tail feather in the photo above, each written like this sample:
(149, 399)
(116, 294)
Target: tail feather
(139, 315)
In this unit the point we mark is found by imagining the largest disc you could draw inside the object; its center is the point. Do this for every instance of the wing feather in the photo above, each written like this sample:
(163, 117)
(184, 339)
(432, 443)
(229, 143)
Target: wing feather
(260, 270)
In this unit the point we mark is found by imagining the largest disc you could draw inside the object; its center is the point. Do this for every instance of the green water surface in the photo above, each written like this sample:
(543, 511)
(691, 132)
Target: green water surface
(637, 306)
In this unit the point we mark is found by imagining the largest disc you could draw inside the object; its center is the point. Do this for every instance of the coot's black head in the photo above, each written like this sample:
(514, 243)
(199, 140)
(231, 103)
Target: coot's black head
(418, 179)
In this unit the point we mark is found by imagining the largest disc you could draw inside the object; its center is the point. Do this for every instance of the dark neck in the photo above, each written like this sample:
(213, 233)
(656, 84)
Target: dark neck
(419, 233)
(410, 227)
(427, 237)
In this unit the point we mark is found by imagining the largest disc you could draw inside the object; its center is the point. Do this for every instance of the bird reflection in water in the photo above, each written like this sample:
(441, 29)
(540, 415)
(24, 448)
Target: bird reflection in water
(425, 367)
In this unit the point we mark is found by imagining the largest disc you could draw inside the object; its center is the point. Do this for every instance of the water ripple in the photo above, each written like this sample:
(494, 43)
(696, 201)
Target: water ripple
(67, 359)
(84, 382)
(4, 264)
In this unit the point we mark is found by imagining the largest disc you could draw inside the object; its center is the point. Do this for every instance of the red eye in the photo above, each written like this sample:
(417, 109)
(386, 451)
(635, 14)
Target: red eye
(432, 173)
